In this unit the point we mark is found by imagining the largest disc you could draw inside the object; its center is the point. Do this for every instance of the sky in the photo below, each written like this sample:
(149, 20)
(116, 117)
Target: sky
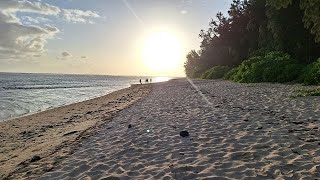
(111, 37)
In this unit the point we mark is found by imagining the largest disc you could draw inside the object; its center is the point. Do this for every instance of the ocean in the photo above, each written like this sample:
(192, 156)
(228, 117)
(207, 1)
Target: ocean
(24, 93)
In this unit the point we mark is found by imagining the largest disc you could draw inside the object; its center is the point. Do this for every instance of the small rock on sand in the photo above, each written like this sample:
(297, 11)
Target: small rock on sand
(35, 158)
(184, 133)
(111, 178)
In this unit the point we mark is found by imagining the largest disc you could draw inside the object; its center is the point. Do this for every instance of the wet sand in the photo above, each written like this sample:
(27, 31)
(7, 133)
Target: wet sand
(236, 131)
(34, 144)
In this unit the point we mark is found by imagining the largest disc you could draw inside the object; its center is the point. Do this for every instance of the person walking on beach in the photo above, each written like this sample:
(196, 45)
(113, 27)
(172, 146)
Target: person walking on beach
(150, 80)
(140, 81)
(147, 80)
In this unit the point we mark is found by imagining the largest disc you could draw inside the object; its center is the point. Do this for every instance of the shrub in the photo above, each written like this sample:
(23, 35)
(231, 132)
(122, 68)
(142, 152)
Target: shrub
(311, 74)
(291, 72)
(246, 71)
(205, 74)
(259, 52)
(216, 72)
(271, 67)
(306, 92)
(230, 73)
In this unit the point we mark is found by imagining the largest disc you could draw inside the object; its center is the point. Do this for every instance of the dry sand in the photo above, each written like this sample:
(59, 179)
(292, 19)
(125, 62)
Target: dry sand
(241, 131)
(51, 135)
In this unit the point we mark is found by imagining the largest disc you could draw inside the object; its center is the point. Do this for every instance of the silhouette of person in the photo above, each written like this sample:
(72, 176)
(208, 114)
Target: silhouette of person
(147, 80)
(150, 80)
(140, 81)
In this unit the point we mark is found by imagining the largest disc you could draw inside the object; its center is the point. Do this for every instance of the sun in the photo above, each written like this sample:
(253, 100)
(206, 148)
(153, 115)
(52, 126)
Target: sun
(162, 52)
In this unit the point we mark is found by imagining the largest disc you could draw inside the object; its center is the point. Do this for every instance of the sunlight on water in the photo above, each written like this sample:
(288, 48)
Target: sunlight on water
(29, 93)
(161, 79)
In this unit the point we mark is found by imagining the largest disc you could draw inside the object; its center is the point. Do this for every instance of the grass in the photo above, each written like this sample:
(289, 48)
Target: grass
(307, 92)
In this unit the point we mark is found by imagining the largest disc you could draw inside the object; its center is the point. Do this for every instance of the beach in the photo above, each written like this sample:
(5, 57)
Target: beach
(52, 134)
(236, 131)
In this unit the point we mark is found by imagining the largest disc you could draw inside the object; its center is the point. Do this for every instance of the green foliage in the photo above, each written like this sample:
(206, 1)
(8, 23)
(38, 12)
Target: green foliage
(230, 73)
(259, 52)
(229, 40)
(246, 71)
(205, 74)
(306, 92)
(291, 73)
(251, 30)
(290, 34)
(311, 74)
(311, 17)
(216, 72)
(311, 13)
(272, 67)
(279, 3)
(192, 66)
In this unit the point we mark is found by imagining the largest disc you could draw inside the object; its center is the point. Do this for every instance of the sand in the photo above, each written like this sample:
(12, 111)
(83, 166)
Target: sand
(33, 144)
(237, 131)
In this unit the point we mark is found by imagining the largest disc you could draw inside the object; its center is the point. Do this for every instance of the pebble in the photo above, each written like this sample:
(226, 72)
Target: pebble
(290, 130)
(184, 133)
(35, 158)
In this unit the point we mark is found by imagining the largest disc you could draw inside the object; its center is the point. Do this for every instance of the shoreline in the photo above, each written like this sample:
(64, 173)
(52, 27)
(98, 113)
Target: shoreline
(53, 132)
(66, 104)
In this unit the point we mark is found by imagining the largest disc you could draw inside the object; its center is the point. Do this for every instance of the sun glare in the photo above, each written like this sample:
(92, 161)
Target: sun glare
(162, 52)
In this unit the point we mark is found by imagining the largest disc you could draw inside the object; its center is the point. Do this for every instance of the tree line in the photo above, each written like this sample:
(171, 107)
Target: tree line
(257, 34)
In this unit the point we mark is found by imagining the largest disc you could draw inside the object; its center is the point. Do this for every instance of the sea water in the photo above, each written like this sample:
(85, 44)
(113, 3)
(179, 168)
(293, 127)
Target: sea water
(24, 93)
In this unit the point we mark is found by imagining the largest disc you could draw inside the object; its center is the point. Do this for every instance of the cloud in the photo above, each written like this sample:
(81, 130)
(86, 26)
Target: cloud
(66, 54)
(37, 20)
(183, 11)
(21, 41)
(185, 6)
(26, 36)
(10, 7)
(30, 20)
(79, 16)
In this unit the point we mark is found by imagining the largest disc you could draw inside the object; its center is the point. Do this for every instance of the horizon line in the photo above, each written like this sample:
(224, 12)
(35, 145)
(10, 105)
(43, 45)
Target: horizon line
(56, 73)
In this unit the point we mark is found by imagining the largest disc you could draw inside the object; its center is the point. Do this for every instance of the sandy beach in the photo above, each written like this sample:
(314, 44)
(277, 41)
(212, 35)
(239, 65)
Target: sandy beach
(236, 131)
(33, 144)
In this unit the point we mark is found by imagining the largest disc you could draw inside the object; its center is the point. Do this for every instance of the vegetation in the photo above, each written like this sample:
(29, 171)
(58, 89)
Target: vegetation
(306, 92)
(311, 74)
(263, 40)
(272, 67)
(217, 72)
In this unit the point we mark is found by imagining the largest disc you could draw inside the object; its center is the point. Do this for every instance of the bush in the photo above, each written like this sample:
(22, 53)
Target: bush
(259, 52)
(230, 73)
(205, 74)
(216, 72)
(306, 92)
(311, 74)
(291, 73)
(271, 67)
(246, 72)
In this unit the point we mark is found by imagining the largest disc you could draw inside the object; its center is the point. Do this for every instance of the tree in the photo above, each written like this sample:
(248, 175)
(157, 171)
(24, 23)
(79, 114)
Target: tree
(191, 66)
(311, 17)
(311, 10)
(289, 34)
(256, 27)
